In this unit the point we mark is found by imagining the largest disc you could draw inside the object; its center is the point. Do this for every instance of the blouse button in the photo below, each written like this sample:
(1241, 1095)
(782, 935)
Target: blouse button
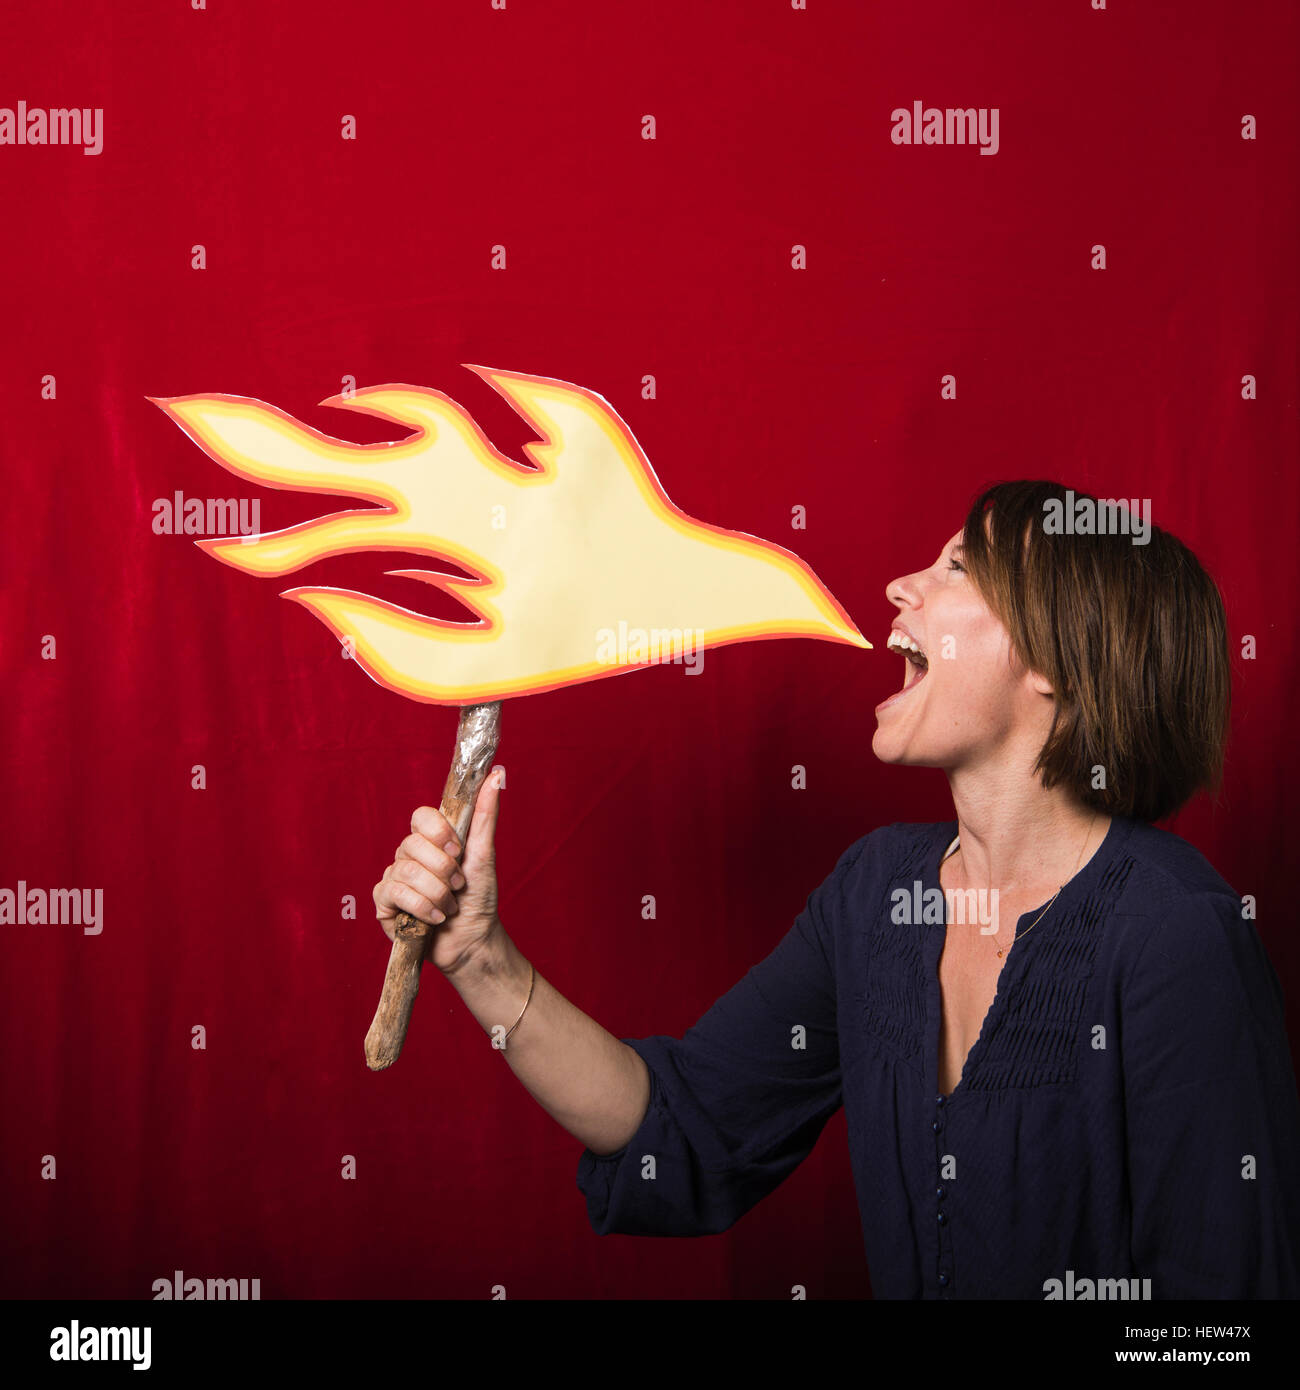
(943, 1279)
(943, 1220)
(939, 1100)
(940, 1193)
(936, 1126)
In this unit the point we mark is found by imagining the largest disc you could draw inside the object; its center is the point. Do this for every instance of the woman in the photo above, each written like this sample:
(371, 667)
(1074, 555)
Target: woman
(1083, 1083)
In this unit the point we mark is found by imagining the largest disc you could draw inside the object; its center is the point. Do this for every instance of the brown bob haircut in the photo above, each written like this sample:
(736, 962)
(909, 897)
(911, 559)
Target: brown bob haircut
(1132, 638)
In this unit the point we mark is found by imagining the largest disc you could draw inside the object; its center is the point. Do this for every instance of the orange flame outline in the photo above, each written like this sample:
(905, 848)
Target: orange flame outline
(358, 470)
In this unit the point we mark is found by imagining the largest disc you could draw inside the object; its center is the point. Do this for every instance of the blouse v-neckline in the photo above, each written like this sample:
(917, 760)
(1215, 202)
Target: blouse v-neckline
(1013, 968)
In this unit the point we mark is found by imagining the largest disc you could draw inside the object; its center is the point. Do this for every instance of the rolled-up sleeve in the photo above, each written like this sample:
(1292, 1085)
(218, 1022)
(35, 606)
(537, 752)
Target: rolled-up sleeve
(1213, 1118)
(737, 1102)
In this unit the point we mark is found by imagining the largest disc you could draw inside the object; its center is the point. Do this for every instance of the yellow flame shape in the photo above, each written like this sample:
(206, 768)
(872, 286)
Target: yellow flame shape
(580, 543)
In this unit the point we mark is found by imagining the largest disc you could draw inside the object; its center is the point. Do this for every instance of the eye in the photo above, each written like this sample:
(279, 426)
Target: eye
(954, 565)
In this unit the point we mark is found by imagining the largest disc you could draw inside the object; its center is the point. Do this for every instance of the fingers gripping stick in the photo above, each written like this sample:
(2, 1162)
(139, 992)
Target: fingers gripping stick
(476, 746)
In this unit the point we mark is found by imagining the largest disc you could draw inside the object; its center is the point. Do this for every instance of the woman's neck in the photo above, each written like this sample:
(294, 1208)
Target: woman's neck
(1016, 833)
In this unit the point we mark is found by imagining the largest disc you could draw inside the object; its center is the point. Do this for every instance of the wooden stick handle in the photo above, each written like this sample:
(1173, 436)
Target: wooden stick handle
(476, 746)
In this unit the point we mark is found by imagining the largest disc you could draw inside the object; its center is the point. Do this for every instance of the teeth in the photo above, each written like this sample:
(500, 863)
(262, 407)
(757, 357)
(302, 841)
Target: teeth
(899, 642)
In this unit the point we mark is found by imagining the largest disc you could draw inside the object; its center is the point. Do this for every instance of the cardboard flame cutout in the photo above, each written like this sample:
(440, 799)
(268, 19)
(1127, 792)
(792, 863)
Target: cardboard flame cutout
(586, 541)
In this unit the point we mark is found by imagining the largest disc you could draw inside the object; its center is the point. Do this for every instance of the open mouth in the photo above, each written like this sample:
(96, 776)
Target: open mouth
(915, 665)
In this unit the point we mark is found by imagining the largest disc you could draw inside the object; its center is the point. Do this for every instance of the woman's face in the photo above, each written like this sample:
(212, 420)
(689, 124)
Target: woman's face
(972, 703)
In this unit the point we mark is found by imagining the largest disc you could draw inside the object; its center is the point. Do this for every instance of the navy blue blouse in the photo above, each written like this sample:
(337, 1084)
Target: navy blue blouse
(1129, 1110)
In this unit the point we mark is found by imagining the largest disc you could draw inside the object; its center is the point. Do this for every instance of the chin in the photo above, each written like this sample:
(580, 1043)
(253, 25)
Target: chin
(889, 749)
(886, 749)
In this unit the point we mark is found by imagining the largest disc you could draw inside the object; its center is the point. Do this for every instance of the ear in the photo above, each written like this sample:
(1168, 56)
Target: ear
(1040, 685)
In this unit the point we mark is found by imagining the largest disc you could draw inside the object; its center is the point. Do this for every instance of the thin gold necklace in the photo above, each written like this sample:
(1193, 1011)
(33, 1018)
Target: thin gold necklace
(1057, 894)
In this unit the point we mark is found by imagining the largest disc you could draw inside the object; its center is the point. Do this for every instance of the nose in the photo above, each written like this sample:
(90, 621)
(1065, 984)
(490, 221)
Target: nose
(903, 592)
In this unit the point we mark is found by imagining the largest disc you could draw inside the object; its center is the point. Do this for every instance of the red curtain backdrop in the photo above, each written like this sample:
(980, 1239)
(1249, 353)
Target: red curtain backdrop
(776, 387)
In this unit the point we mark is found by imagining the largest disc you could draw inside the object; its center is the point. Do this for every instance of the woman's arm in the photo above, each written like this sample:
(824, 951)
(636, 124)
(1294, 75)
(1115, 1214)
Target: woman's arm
(583, 1077)
(592, 1084)
(683, 1135)
(740, 1099)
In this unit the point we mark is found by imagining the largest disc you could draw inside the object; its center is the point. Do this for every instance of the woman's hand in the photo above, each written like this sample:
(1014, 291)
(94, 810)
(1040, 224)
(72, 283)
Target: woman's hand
(433, 880)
